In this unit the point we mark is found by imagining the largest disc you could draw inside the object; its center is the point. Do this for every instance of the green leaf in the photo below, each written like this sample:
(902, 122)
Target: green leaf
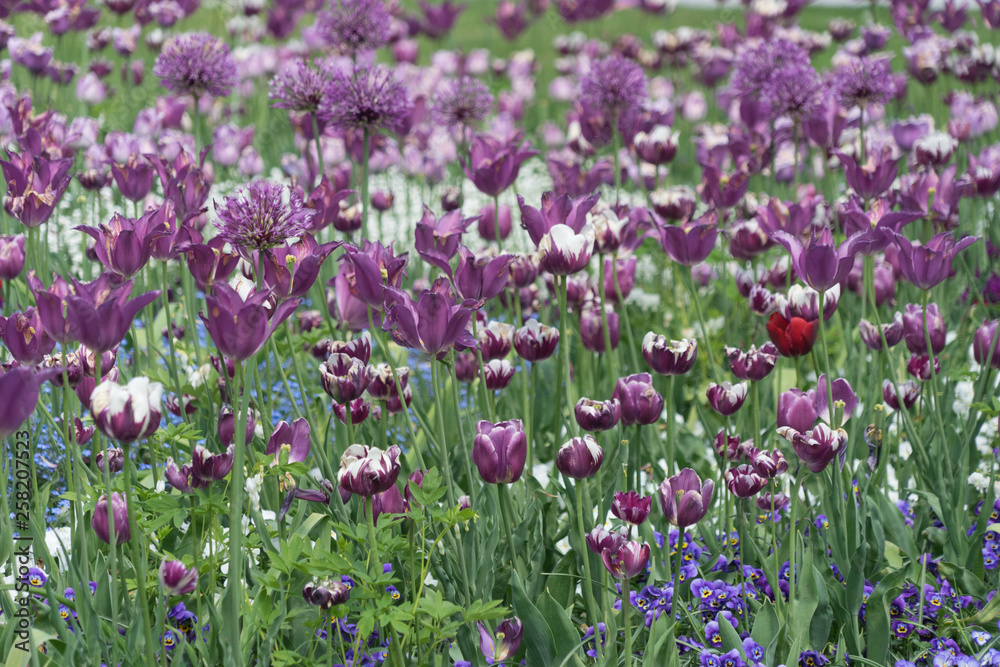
(730, 638)
(664, 650)
(537, 635)
(564, 634)
(765, 625)
(877, 616)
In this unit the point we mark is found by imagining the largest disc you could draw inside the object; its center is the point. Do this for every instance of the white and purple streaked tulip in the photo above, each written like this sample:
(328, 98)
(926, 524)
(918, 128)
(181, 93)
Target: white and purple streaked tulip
(754, 364)
(669, 357)
(100, 523)
(767, 464)
(500, 450)
(659, 146)
(495, 340)
(360, 411)
(640, 402)
(535, 341)
(910, 390)
(872, 337)
(685, 499)
(628, 561)
(580, 458)
(600, 538)
(227, 427)
(596, 416)
(501, 644)
(607, 229)
(817, 447)
(920, 366)
(365, 471)
(744, 481)
(209, 467)
(803, 302)
(128, 413)
(631, 507)
(344, 378)
(382, 384)
(498, 374)
(175, 579)
(326, 595)
(726, 398)
(563, 252)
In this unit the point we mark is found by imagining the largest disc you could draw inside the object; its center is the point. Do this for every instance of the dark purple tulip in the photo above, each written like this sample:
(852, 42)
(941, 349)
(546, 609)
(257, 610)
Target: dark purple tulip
(289, 443)
(417, 479)
(684, 499)
(481, 278)
(929, 265)
(34, 186)
(498, 374)
(721, 191)
(99, 315)
(366, 471)
(842, 393)
(597, 415)
(208, 262)
(580, 458)
(675, 203)
(344, 378)
(816, 447)
(669, 357)
(128, 413)
(438, 21)
(870, 180)
(88, 361)
(499, 451)
(744, 481)
(689, 244)
(910, 389)
(25, 337)
(374, 270)
(914, 334)
(985, 340)
(535, 342)
(628, 562)
(631, 507)
(563, 251)
(209, 467)
(240, 326)
(115, 458)
(382, 201)
(510, 19)
(119, 510)
(493, 165)
(451, 199)
(919, 366)
(382, 385)
(83, 433)
(506, 642)
(487, 226)
(227, 427)
(495, 340)
(592, 329)
(86, 386)
(726, 398)
(328, 595)
(747, 239)
(754, 364)
(820, 263)
(290, 270)
(555, 210)
(893, 333)
(182, 478)
(432, 325)
(175, 579)
(640, 402)
(619, 278)
(360, 410)
(359, 348)
(796, 409)
(134, 178)
(11, 256)
(124, 245)
(600, 538)
(437, 239)
(729, 447)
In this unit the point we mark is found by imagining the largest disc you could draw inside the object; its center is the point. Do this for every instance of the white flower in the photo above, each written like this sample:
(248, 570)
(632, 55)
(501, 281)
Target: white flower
(905, 450)
(253, 485)
(980, 481)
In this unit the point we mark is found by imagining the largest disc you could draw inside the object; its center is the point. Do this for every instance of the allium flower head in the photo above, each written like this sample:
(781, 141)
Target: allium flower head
(757, 67)
(261, 216)
(614, 84)
(797, 91)
(355, 25)
(864, 81)
(369, 100)
(463, 102)
(297, 86)
(196, 63)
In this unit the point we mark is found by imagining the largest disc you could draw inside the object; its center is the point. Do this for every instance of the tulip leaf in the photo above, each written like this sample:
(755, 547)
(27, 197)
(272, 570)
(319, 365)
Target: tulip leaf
(537, 634)
(877, 623)
(664, 650)
(564, 634)
(730, 638)
(765, 625)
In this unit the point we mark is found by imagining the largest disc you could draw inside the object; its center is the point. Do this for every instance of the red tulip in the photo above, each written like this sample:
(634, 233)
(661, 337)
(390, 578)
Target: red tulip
(793, 338)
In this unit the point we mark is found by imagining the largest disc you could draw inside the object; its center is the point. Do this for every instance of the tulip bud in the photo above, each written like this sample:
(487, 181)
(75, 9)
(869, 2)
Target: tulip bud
(684, 499)
(871, 335)
(366, 471)
(986, 346)
(628, 562)
(675, 357)
(451, 199)
(535, 342)
(597, 415)
(580, 458)
(631, 507)
(119, 510)
(127, 413)
(499, 451)
(600, 538)
(114, 457)
(175, 579)
(640, 403)
(592, 329)
(726, 398)
(913, 329)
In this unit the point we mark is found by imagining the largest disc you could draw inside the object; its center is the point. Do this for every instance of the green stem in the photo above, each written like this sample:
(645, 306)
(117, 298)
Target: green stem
(496, 222)
(701, 321)
(627, 617)
(364, 185)
(172, 359)
(588, 583)
(373, 558)
(507, 519)
(234, 585)
(138, 558)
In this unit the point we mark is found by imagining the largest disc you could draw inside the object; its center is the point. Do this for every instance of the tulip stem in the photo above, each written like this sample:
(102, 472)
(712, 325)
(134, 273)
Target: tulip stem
(320, 166)
(634, 456)
(563, 371)
(138, 555)
(234, 589)
(627, 619)
(935, 404)
(507, 518)
(372, 542)
(605, 331)
(364, 186)
(442, 433)
(172, 359)
(741, 510)
(496, 223)
(466, 460)
(588, 583)
(701, 321)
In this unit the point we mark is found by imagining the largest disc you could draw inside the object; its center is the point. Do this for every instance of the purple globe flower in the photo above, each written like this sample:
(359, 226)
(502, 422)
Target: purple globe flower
(864, 81)
(196, 63)
(371, 100)
(297, 86)
(355, 25)
(260, 216)
(462, 103)
(615, 84)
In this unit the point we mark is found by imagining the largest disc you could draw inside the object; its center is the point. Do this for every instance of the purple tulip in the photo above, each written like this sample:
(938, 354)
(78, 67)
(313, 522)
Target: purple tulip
(128, 413)
(25, 337)
(183, 478)
(124, 245)
(984, 341)
(631, 507)
(291, 269)
(499, 451)
(910, 389)
(929, 265)
(914, 333)
(227, 427)
(289, 443)
(726, 398)
(754, 364)
(689, 244)
(729, 447)
(870, 180)
(436, 240)
(535, 342)
(503, 643)
(580, 458)
(101, 525)
(327, 595)
(370, 272)
(240, 325)
(432, 325)
(114, 457)
(597, 415)
(592, 329)
(35, 185)
(365, 471)
(872, 338)
(818, 446)
(488, 225)
(389, 501)
(797, 409)
(11, 256)
(920, 367)
(669, 357)
(767, 464)
(744, 481)
(555, 210)
(674, 203)
(175, 579)
(628, 562)
(563, 251)
(481, 278)
(684, 499)
(360, 410)
(495, 340)
(600, 538)
(493, 165)
(498, 374)
(209, 467)
(208, 262)
(723, 191)
(344, 378)
(98, 314)
(382, 384)
(640, 402)
(842, 393)
(820, 263)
